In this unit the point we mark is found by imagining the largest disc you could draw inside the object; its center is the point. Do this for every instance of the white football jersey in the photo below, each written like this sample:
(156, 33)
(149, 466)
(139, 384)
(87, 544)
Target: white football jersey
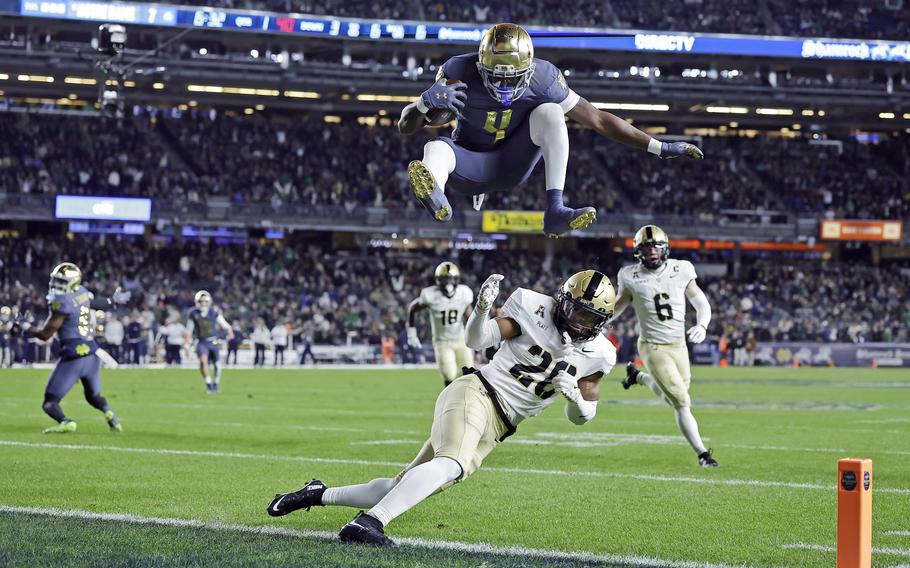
(447, 314)
(524, 367)
(659, 298)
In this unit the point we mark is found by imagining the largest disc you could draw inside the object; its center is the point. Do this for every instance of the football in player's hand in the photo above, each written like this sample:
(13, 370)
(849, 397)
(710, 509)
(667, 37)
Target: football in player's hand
(441, 116)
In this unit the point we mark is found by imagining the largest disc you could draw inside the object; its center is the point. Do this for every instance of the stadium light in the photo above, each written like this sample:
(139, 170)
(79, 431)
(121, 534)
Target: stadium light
(807, 112)
(35, 78)
(886, 115)
(3, 76)
(726, 110)
(906, 116)
(233, 90)
(158, 86)
(775, 111)
(80, 81)
(632, 106)
(301, 94)
(386, 98)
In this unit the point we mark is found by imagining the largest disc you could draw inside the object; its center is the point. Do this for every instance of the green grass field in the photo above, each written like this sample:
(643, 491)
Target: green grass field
(623, 490)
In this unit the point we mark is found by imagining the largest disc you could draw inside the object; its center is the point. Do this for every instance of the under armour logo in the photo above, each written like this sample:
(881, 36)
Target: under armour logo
(442, 95)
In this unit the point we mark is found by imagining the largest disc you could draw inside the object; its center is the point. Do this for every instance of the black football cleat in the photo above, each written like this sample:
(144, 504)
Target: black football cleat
(309, 496)
(705, 459)
(632, 373)
(365, 529)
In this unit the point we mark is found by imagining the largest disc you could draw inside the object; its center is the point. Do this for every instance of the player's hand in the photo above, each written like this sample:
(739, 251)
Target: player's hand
(677, 149)
(442, 96)
(697, 334)
(121, 296)
(487, 294)
(413, 340)
(566, 385)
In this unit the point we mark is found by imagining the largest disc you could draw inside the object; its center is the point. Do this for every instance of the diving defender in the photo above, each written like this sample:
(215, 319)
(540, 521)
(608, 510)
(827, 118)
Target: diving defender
(552, 348)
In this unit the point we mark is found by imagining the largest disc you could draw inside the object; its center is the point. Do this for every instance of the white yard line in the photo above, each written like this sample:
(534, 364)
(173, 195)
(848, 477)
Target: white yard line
(554, 472)
(898, 533)
(479, 548)
(885, 551)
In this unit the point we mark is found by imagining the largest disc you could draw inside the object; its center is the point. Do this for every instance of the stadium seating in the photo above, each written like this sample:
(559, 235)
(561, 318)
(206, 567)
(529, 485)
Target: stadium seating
(276, 161)
(339, 296)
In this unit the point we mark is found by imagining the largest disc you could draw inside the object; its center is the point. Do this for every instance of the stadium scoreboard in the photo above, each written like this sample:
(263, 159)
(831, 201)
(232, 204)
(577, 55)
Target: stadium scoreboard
(155, 14)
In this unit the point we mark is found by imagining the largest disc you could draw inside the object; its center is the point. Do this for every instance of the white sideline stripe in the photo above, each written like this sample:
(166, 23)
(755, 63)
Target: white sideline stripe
(885, 551)
(479, 548)
(898, 533)
(556, 472)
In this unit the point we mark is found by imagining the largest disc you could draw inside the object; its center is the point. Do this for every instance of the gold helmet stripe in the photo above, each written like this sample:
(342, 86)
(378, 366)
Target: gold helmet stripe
(593, 285)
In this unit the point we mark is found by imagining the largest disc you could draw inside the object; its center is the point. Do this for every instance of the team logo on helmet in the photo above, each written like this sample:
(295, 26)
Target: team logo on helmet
(584, 304)
(652, 246)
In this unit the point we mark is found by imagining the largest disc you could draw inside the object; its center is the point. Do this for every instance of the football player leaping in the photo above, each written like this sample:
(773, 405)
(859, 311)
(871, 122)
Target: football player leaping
(657, 288)
(72, 319)
(201, 324)
(549, 346)
(449, 302)
(511, 110)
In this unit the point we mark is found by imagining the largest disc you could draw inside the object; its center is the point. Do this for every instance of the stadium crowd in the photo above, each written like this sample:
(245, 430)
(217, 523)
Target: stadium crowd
(358, 297)
(825, 18)
(272, 160)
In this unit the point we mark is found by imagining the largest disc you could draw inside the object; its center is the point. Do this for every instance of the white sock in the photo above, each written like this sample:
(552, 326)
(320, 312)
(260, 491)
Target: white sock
(208, 380)
(648, 381)
(414, 487)
(439, 158)
(217, 368)
(362, 496)
(548, 131)
(689, 428)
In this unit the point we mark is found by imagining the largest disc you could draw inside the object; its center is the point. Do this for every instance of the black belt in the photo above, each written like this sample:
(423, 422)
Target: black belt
(494, 398)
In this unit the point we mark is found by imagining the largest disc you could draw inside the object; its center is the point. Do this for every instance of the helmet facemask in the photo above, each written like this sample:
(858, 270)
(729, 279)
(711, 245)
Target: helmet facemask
(505, 83)
(447, 283)
(653, 254)
(580, 322)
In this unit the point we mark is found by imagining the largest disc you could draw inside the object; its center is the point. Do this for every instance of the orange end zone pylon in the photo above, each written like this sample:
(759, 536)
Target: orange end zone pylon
(854, 513)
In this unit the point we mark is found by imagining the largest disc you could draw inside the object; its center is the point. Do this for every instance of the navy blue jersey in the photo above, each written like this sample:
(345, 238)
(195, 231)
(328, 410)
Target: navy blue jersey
(487, 122)
(77, 333)
(204, 326)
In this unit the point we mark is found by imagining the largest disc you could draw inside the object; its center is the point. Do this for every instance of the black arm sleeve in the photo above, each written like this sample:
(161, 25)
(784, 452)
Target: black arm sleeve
(101, 304)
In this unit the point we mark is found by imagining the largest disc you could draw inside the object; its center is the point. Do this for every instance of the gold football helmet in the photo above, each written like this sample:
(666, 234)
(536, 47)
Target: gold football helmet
(505, 61)
(652, 246)
(584, 304)
(447, 276)
(65, 278)
(203, 299)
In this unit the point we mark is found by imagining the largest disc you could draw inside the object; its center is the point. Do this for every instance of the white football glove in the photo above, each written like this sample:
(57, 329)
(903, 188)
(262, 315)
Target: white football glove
(413, 340)
(121, 296)
(697, 334)
(487, 294)
(566, 385)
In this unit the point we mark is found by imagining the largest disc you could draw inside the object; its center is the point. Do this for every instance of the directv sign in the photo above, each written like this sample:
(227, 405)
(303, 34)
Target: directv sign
(103, 208)
(563, 38)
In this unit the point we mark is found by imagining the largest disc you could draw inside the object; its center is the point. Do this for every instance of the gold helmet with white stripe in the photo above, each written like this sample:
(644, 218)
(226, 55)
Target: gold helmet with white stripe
(584, 304)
